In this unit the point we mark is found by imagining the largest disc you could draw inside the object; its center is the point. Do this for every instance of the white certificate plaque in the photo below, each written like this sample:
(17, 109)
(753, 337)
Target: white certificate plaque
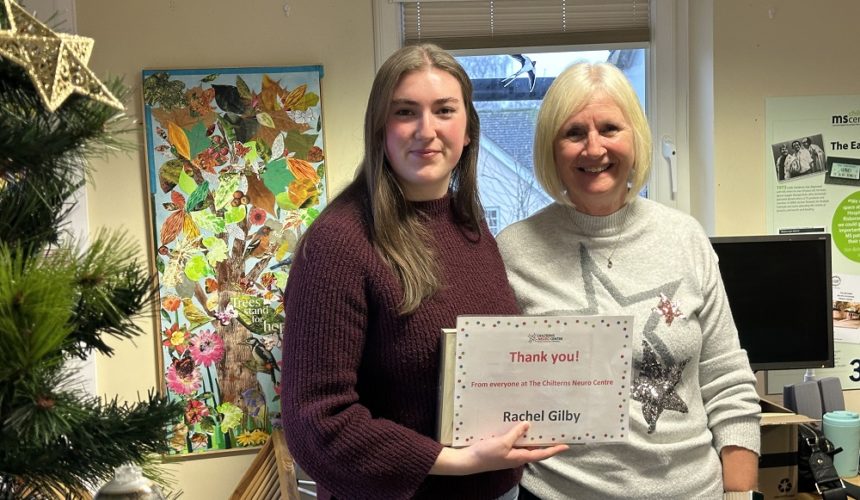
(567, 375)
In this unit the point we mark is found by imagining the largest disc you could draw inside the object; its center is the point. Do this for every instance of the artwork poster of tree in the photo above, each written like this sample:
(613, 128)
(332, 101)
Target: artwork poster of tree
(236, 174)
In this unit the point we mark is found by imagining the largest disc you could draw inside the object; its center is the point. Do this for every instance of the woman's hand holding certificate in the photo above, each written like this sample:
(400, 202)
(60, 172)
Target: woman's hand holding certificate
(492, 454)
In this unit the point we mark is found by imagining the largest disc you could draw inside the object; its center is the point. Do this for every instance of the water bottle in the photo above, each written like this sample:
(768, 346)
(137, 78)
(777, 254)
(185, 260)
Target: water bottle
(842, 428)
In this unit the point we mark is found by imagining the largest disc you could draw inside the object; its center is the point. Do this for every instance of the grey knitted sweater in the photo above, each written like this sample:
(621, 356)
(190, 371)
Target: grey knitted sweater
(692, 391)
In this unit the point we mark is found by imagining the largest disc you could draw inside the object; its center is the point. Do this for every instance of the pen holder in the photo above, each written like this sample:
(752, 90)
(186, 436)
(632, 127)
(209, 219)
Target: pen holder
(842, 428)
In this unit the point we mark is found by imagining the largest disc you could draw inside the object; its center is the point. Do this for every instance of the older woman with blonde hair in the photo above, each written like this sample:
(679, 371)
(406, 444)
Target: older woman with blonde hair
(603, 249)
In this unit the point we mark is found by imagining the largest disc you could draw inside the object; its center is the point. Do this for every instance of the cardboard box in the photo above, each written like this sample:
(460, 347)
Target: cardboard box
(777, 473)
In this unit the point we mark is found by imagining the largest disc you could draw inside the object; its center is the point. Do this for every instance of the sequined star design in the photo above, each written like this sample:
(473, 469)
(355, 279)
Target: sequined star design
(659, 371)
(668, 309)
(654, 387)
(55, 62)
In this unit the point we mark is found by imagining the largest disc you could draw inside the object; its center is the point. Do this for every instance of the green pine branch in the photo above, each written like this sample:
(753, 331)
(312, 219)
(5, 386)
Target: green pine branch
(43, 155)
(61, 298)
(113, 290)
(92, 440)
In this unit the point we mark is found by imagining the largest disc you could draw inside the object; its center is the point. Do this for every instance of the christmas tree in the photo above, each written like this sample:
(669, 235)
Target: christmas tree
(61, 298)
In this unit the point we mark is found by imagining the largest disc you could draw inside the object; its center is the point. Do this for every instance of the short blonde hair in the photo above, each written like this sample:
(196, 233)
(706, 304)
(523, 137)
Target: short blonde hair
(569, 93)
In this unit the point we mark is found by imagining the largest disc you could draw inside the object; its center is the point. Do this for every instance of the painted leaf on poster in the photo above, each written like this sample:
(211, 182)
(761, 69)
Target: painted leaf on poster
(178, 140)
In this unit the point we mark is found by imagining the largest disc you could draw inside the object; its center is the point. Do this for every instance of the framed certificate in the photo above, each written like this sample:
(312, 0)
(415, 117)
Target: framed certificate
(567, 375)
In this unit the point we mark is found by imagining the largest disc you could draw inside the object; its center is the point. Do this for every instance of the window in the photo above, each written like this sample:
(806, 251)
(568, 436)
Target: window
(644, 46)
(492, 216)
(508, 89)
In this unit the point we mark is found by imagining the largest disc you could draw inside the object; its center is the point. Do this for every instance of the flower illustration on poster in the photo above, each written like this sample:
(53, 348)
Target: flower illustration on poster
(236, 168)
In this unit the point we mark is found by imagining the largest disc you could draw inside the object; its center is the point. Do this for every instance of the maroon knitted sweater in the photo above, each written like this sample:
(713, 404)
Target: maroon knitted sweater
(359, 387)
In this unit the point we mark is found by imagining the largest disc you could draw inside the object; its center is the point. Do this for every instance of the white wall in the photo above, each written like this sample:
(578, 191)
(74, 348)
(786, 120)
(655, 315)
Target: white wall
(763, 49)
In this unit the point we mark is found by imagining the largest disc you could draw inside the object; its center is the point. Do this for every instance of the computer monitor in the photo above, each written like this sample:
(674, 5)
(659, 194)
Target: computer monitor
(780, 293)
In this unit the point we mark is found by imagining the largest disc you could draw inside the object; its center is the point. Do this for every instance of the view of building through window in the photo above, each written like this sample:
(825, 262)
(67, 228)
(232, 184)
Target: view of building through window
(508, 89)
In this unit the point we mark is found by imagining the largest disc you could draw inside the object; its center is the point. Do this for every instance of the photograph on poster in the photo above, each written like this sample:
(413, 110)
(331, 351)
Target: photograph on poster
(799, 157)
(844, 171)
(846, 314)
(846, 307)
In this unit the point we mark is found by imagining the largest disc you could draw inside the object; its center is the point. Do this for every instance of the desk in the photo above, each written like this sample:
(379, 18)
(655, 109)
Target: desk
(814, 496)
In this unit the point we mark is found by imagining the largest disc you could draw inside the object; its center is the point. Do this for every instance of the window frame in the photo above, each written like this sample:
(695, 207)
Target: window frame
(668, 88)
(492, 216)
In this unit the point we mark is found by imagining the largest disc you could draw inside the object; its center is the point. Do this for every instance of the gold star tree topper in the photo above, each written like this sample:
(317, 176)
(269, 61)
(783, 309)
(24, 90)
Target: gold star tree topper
(55, 62)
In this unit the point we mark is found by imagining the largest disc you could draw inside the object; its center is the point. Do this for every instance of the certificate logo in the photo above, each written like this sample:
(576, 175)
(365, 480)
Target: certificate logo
(544, 338)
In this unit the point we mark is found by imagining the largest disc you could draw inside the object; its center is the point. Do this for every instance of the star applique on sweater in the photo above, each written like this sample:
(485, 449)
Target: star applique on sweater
(659, 372)
(655, 387)
(668, 309)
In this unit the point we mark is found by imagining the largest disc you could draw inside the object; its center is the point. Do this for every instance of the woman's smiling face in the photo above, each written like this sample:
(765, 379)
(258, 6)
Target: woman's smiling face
(426, 132)
(594, 156)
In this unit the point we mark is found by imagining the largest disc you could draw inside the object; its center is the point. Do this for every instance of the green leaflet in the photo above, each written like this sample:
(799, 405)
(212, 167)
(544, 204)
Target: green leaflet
(232, 416)
(198, 268)
(235, 214)
(309, 100)
(197, 139)
(309, 215)
(243, 89)
(281, 279)
(284, 202)
(265, 119)
(217, 250)
(208, 221)
(300, 143)
(277, 176)
(195, 199)
(252, 155)
(185, 182)
(227, 185)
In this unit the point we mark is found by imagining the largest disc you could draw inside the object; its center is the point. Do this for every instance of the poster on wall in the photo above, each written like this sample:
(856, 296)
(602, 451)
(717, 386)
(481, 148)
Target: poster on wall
(812, 170)
(236, 174)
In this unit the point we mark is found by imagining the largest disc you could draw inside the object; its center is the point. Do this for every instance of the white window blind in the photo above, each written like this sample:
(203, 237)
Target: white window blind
(469, 24)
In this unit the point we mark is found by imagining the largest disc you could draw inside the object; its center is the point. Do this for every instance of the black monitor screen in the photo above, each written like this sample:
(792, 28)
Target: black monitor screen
(779, 290)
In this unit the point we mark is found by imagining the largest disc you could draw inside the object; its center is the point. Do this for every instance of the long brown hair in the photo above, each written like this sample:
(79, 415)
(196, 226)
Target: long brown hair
(396, 229)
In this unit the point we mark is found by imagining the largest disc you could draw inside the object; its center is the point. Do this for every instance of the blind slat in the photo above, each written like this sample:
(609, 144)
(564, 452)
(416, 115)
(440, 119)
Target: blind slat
(462, 24)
